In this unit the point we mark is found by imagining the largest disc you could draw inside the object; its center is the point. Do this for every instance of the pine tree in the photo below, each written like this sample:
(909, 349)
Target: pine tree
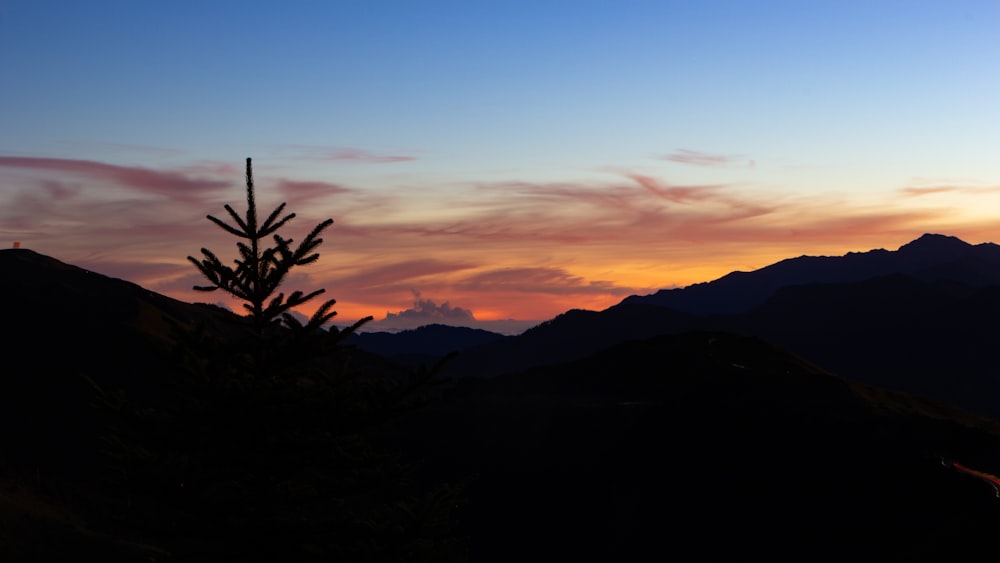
(259, 272)
(271, 428)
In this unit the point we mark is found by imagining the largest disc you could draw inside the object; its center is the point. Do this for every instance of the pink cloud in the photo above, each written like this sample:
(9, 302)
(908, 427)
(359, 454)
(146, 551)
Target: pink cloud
(912, 191)
(219, 169)
(538, 280)
(569, 214)
(348, 154)
(916, 191)
(301, 192)
(174, 185)
(698, 158)
(676, 194)
(365, 156)
(393, 276)
(58, 191)
(621, 198)
(624, 219)
(132, 147)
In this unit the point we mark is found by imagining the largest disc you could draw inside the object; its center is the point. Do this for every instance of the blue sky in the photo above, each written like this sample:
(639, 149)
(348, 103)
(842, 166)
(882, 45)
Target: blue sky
(567, 153)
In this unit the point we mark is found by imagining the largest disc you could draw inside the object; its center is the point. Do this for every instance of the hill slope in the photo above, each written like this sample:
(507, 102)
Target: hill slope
(703, 445)
(66, 323)
(931, 331)
(709, 446)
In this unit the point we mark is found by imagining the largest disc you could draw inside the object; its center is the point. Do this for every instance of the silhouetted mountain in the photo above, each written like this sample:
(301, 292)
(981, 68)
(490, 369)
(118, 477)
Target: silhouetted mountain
(707, 446)
(117, 446)
(936, 339)
(569, 336)
(925, 328)
(616, 435)
(576, 333)
(65, 323)
(422, 345)
(931, 257)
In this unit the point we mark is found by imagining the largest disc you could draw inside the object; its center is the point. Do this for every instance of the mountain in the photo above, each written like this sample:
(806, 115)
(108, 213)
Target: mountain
(575, 333)
(709, 446)
(422, 345)
(117, 447)
(638, 433)
(569, 336)
(936, 339)
(924, 323)
(931, 257)
(65, 325)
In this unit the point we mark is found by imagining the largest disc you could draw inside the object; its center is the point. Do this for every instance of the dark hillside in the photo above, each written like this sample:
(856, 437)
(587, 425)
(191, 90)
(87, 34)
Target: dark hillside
(697, 445)
(902, 332)
(134, 466)
(572, 335)
(932, 339)
(423, 345)
(65, 324)
(707, 447)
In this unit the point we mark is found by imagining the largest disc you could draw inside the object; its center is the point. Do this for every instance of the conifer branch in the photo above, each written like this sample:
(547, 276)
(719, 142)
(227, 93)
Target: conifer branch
(260, 270)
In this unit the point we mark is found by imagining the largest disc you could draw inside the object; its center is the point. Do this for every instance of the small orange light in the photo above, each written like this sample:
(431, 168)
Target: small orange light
(17, 244)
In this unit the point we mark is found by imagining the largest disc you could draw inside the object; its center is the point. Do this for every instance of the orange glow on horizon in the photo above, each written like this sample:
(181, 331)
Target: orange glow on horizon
(543, 299)
(502, 250)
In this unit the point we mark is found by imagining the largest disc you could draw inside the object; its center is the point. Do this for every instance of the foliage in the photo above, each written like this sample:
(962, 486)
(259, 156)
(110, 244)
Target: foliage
(259, 272)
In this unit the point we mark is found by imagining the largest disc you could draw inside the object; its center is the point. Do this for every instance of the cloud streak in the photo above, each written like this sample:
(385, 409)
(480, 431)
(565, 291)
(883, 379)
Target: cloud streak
(357, 155)
(172, 185)
(918, 191)
(297, 193)
(698, 158)
(346, 154)
(546, 280)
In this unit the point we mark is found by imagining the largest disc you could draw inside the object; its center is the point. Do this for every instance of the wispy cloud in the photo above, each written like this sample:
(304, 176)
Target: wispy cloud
(698, 158)
(59, 191)
(401, 274)
(365, 156)
(348, 154)
(177, 186)
(916, 191)
(640, 207)
(296, 193)
(547, 280)
(127, 148)
(675, 194)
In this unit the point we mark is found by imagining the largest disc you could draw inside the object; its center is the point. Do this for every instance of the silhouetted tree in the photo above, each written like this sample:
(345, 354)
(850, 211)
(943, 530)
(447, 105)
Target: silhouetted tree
(260, 271)
(266, 446)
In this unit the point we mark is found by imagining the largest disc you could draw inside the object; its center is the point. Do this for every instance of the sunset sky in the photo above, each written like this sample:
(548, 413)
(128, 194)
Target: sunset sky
(495, 160)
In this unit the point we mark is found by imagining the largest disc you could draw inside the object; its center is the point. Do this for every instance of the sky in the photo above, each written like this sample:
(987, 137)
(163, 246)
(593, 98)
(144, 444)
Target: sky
(496, 163)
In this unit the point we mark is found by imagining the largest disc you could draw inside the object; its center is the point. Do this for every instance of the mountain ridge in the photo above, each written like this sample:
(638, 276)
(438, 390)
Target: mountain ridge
(929, 332)
(737, 292)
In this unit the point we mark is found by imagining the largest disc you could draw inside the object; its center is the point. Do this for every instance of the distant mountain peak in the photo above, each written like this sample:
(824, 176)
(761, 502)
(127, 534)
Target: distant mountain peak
(935, 242)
